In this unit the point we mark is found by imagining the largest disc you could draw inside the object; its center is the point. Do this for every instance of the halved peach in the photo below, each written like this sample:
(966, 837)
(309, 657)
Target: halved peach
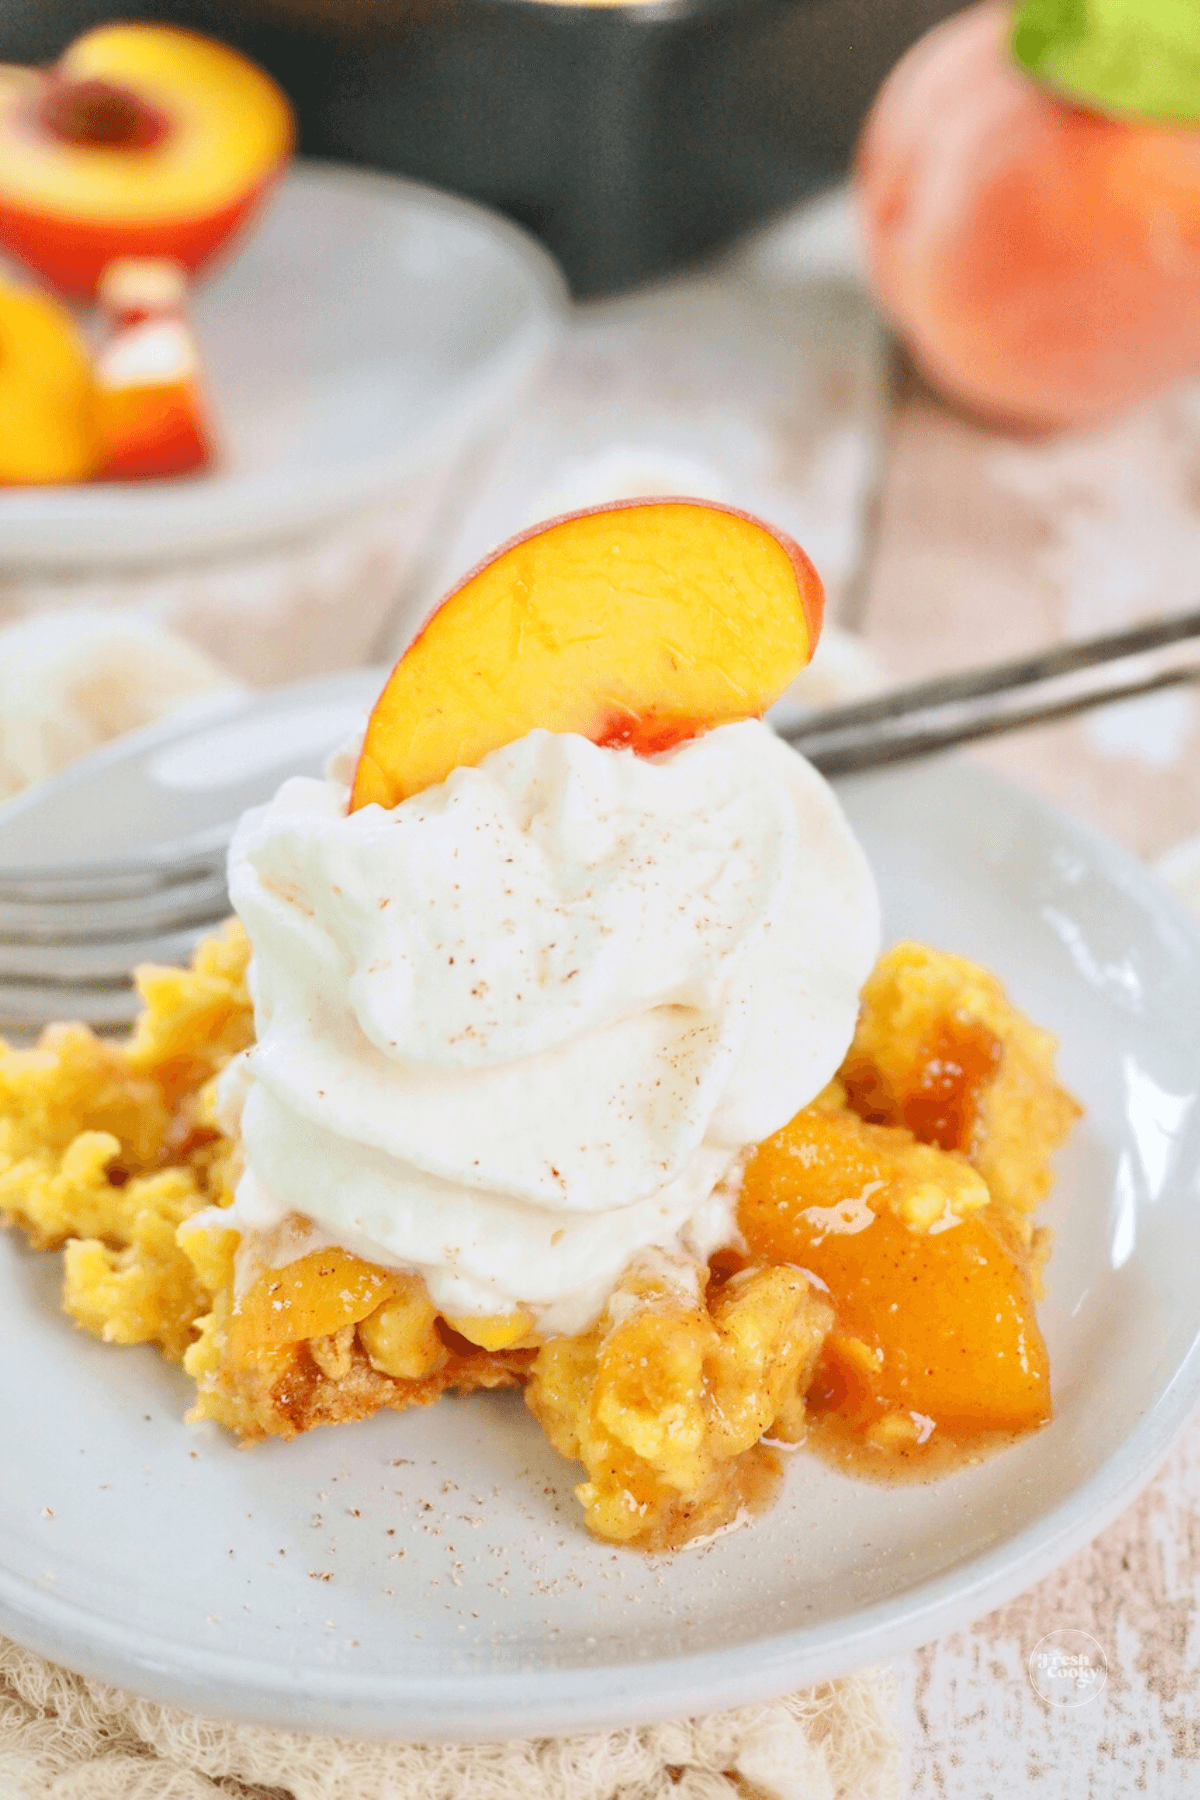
(643, 623)
(144, 140)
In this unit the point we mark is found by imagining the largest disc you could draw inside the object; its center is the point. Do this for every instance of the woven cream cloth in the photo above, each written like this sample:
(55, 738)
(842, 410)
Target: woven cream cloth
(64, 1738)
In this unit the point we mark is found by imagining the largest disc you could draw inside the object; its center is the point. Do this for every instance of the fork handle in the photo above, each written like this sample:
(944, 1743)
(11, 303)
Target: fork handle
(933, 716)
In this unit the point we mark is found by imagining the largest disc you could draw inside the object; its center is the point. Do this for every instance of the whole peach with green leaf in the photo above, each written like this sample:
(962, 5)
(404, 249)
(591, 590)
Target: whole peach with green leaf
(1029, 186)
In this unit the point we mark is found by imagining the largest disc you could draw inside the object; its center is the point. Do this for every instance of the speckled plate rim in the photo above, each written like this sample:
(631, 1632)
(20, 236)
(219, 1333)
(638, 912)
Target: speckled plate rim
(533, 1701)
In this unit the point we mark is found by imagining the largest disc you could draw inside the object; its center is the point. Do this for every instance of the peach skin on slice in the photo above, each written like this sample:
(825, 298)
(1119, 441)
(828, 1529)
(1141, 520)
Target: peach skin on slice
(643, 623)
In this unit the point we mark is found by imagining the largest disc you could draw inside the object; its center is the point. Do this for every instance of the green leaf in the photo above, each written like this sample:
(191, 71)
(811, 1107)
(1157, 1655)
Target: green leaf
(1134, 58)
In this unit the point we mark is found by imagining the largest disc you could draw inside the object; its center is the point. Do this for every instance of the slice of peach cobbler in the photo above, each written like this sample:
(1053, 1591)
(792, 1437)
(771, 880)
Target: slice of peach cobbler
(565, 1061)
(881, 1299)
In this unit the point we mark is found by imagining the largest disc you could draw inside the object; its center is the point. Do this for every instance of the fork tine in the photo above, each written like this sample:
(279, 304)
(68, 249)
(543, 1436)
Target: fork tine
(24, 1011)
(77, 884)
(106, 959)
(95, 922)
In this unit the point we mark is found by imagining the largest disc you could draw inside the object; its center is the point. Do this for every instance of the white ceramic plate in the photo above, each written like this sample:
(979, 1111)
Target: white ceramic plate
(427, 1575)
(369, 327)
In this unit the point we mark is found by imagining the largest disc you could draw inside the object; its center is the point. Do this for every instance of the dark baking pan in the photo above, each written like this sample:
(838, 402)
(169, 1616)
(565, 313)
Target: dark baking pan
(629, 138)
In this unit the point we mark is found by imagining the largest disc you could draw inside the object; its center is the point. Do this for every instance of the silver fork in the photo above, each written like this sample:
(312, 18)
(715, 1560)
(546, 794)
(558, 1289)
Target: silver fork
(934, 715)
(70, 934)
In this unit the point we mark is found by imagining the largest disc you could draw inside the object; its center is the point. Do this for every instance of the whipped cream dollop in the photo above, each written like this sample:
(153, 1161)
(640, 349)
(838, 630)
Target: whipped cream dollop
(525, 1026)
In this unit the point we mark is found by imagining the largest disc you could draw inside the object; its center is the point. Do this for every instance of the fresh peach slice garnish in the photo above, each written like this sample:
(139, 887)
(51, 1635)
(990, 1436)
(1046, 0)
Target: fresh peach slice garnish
(144, 140)
(643, 623)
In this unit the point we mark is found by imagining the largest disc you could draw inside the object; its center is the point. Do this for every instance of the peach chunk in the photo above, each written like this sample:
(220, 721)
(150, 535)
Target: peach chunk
(642, 623)
(1042, 261)
(151, 412)
(144, 140)
(937, 1324)
(311, 1297)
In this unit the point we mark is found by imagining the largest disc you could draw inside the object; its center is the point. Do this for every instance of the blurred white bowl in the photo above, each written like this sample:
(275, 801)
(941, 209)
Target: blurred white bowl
(370, 331)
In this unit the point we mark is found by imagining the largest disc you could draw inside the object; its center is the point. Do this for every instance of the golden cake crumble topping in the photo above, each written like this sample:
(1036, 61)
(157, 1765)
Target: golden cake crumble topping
(879, 1304)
